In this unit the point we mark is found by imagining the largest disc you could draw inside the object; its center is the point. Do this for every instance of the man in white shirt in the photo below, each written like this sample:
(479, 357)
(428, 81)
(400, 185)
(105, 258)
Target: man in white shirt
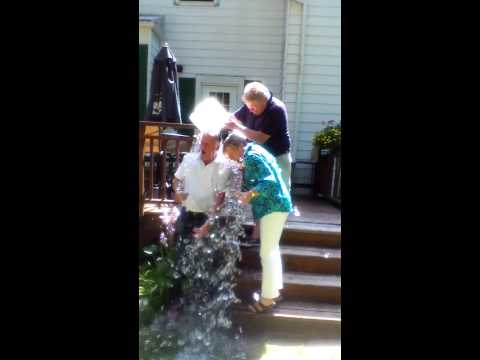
(200, 183)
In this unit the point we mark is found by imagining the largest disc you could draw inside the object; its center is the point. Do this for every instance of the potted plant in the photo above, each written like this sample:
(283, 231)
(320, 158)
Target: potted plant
(326, 148)
(326, 140)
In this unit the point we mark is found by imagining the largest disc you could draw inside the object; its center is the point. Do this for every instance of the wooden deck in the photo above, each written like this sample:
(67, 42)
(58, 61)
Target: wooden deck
(310, 214)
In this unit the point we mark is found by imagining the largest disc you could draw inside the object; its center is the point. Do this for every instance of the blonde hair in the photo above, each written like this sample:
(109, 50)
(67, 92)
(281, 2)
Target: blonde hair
(256, 91)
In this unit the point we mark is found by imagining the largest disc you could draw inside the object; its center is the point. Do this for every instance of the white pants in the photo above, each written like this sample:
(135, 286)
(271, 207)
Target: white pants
(284, 162)
(271, 228)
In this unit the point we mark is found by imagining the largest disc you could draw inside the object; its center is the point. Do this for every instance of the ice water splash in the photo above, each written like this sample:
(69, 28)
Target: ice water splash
(296, 212)
(197, 326)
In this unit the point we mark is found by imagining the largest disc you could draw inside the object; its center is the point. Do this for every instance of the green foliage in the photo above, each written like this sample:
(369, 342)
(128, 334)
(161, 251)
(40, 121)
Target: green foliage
(155, 281)
(329, 137)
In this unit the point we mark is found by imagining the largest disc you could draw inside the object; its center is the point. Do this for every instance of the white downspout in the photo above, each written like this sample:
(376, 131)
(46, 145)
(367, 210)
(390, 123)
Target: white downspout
(298, 104)
(285, 51)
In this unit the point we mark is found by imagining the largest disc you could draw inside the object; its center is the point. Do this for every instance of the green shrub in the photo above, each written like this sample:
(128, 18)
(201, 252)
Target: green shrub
(155, 281)
(328, 138)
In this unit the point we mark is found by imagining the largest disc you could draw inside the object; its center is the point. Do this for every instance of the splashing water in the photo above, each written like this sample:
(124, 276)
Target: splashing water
(198, 325)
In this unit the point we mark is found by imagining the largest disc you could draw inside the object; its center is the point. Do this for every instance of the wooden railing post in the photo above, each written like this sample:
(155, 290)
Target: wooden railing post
(153, 137)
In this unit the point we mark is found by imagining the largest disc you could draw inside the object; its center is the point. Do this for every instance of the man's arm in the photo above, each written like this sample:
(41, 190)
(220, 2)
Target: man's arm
(180, 196)
(257, 136)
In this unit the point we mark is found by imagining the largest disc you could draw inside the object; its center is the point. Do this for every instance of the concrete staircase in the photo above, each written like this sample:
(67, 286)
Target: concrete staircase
(312, 285)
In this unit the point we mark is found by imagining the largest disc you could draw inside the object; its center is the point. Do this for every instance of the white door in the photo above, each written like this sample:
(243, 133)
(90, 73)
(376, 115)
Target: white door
(227, 95)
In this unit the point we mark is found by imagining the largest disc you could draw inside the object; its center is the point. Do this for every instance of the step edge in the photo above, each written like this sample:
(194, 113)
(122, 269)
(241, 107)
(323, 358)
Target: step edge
(257, 277)
(255, 250)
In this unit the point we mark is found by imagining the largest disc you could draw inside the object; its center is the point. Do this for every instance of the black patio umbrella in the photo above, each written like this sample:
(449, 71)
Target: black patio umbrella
(164, 102)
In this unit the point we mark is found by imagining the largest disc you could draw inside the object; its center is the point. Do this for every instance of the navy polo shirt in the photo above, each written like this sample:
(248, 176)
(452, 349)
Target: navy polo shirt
(273, 121)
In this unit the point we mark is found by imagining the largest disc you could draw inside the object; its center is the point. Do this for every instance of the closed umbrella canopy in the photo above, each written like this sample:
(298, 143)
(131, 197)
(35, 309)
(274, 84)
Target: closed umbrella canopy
(164, 102)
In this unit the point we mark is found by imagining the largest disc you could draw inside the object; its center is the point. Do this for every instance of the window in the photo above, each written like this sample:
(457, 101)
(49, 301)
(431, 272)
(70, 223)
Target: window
(223, 98)
(197, 2)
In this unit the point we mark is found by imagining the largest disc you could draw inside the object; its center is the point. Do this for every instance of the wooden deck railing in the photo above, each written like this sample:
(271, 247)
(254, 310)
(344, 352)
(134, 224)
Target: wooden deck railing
(159, 157)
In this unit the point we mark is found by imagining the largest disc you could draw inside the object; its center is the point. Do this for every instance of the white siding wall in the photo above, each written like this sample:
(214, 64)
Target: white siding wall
(320, 91)
(321, 84)
(232, 39)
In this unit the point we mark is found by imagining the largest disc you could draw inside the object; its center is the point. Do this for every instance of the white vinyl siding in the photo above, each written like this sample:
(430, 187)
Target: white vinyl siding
(232, 39)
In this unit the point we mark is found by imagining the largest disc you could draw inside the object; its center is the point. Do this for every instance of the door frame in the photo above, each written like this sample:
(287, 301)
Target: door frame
(219, 80)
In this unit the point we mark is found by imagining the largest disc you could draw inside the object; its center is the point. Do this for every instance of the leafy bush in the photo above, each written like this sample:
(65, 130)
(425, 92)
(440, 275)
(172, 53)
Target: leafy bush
(329, 137)
(155, 281)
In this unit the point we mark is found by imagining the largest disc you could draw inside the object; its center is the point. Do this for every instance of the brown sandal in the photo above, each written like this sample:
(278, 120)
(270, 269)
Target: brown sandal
(257, 307)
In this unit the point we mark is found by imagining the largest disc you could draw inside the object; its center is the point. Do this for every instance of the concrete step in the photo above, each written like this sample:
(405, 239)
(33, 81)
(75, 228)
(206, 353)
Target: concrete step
(300, 319)
(297, 286)
(308, 259)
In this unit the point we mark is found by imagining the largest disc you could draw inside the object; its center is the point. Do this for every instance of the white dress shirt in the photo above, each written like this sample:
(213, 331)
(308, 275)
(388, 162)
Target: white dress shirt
(202, 182)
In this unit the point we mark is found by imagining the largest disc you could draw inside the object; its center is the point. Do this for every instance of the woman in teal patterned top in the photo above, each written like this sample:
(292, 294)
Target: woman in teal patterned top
(271, 204)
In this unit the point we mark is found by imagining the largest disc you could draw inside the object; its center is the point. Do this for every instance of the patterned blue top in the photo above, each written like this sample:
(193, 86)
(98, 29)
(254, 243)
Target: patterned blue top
(262, 174)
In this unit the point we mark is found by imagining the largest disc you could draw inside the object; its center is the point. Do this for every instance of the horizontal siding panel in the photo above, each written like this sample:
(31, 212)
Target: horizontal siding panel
(225, 20)
(222, 29)
(293, 59)
(314, 80)
(292, 78)
(217, 61)
(334, 31)
(294, 29)
(309, 70)
(316, 118)
(247, 47)
(295, 21)
(303, 154)
(321, 80)
(322, 89)
(264, 5)
(314, 111)
(312, 127)
(324, 21)
(317, 60)
(323, 11)
(330, 70)
(312, 51)
(293, 47)
(225, 38)
(167, 7)
(270, 56)
(324, 3)
(315, 99)
(322, 41)
(321, 108)
(233, 70)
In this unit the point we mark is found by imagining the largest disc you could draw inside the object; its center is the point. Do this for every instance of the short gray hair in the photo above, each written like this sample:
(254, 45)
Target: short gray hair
(235, 141)
(256, 91)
